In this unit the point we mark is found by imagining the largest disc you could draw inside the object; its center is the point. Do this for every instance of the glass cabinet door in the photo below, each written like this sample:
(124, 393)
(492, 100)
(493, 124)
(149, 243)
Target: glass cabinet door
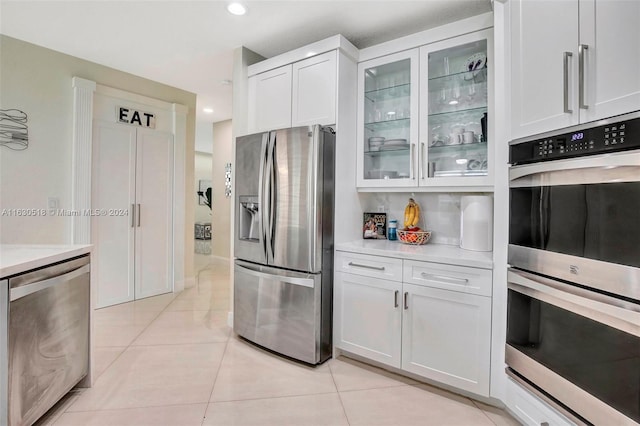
(385, 131)
(456, 113)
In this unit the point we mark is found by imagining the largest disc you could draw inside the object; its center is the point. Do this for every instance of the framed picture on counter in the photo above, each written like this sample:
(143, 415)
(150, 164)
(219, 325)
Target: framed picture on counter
(375, 226)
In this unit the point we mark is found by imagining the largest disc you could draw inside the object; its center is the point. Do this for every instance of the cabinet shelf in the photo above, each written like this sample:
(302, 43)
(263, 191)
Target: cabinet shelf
(470, 111)
(463, 148)
(388, 152)
(464, 77)
(399, 123)
(391, 92)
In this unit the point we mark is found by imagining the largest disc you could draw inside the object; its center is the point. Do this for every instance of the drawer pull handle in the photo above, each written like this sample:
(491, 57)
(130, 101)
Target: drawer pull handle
(444, 278)
(358, 265)
(395, 298)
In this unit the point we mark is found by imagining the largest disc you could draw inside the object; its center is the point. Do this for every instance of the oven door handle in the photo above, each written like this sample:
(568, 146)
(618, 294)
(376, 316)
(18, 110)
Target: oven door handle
(617, 313)
(617, 167)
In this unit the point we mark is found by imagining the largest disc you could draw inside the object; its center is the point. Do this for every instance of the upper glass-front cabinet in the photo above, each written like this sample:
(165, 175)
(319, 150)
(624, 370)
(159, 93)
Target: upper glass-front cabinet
(424, 116)
(388, 120)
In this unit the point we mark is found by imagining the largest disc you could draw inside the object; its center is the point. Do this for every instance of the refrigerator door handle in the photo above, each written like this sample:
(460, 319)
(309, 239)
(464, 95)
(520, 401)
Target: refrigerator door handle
(262, 198)
(269, 191)
(304, 282)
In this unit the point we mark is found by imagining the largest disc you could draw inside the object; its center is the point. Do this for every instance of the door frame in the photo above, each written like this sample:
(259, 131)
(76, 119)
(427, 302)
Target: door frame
(170, 117)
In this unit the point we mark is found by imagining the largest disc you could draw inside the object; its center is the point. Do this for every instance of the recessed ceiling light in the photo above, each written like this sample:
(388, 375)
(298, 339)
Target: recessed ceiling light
(236, 8)
(207, 110)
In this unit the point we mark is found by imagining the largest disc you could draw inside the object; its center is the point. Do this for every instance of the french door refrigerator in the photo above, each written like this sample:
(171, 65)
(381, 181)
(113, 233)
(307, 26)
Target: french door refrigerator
(283, 250)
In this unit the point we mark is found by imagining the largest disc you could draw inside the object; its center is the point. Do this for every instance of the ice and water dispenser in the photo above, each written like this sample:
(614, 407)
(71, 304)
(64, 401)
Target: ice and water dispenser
(249, 218)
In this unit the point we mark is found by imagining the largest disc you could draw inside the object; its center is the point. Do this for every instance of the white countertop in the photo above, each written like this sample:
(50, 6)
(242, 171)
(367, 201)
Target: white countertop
(18, 258)
(439, 253)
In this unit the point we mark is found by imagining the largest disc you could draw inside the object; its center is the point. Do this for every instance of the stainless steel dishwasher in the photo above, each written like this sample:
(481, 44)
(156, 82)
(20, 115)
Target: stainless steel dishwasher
(46, 338)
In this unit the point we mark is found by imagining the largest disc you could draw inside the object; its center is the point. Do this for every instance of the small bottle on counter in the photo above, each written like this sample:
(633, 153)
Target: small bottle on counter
(392, 235)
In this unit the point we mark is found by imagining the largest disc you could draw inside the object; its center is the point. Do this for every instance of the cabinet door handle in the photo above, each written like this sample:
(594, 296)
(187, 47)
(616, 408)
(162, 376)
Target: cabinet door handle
(444, 278)
(581, 95)
(406, 300)
(411, 160)
(139, 210)
(133, 215)
(566, 57)
(422, 162)
(395, 298)
(358, 265)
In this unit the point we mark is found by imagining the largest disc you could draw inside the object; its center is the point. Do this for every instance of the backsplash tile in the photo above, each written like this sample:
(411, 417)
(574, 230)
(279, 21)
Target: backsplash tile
(440, 212)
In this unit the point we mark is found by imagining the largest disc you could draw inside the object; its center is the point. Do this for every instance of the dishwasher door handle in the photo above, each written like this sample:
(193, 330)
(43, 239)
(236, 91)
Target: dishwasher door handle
(25, 290)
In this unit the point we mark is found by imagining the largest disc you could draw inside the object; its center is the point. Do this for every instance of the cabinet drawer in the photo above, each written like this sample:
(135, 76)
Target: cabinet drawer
(369, 266)
(448, 277)
(530, 410)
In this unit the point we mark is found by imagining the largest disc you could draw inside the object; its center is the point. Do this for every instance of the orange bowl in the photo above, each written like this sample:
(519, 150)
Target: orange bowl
(414, 237)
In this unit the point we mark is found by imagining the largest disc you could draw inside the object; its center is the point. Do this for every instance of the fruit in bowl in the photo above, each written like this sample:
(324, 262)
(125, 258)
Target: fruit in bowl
(412, 233)
(411, 215)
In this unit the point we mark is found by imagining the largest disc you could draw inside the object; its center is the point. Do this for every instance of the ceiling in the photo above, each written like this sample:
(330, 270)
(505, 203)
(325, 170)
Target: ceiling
(189, 44)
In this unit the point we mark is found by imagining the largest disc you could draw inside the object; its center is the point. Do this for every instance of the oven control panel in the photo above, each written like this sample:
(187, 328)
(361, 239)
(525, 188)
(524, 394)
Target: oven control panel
(615, 134)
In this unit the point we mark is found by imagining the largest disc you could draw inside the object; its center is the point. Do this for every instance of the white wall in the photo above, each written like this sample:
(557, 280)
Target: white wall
(38, 81)
(222, 154)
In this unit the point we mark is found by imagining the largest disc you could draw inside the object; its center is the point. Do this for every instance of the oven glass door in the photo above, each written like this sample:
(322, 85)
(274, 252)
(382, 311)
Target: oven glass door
(587, 348)
(595, 221)
(578, 220)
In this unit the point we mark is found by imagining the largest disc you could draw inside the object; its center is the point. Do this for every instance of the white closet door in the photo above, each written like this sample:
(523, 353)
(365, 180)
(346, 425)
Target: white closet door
(154, 177)
(113, 189)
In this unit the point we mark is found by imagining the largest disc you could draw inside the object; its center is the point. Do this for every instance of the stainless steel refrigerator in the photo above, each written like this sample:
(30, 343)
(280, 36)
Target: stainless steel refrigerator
(283, 273)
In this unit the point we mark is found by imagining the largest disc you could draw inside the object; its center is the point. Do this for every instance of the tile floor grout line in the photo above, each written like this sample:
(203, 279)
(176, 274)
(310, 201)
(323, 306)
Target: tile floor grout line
(123, 351)
(344, 409)
(273, 397)
(483, 412)
(215, 379)
(135, 408)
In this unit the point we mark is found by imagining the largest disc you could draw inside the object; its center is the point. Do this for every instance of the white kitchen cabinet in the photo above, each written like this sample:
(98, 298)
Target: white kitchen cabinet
(446, 336)
(387, 110)
(423, 117)
(270, 100)
(369, 316)
(314, 90)
(298, 94)
(430, 319)
(132, 200)
(572, 62)
(456, 95)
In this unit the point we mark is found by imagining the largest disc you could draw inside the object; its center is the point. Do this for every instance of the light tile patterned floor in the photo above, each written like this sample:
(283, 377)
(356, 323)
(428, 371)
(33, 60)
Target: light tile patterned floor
(172, 360)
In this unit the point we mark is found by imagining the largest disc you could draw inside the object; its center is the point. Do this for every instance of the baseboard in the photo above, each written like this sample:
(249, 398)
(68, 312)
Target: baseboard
(219, 258)
(230, 319)
(187, 283)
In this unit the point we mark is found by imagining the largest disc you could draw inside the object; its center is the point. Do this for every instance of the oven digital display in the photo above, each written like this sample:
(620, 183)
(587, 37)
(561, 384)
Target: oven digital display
(577, 136)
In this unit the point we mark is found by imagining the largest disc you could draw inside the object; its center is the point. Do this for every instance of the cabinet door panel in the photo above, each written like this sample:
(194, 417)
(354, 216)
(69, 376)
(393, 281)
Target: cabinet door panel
(114, 149)
(270, 100)
(447, 336)
(368, 322)
(541, 31)
(154, 179)
(314, 90)
(387, 111)
(612, 60)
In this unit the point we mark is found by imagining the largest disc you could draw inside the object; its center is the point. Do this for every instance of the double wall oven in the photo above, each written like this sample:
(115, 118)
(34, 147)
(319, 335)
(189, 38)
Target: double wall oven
(573, 317)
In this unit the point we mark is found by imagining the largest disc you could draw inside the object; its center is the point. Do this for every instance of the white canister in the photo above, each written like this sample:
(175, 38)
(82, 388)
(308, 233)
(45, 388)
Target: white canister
(476, 222)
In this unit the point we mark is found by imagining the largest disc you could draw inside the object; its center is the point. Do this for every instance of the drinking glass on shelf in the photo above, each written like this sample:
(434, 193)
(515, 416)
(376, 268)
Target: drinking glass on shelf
(471, 93)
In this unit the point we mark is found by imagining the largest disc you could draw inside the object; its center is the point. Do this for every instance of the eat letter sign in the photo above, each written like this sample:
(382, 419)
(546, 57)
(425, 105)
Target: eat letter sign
(135, 117)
